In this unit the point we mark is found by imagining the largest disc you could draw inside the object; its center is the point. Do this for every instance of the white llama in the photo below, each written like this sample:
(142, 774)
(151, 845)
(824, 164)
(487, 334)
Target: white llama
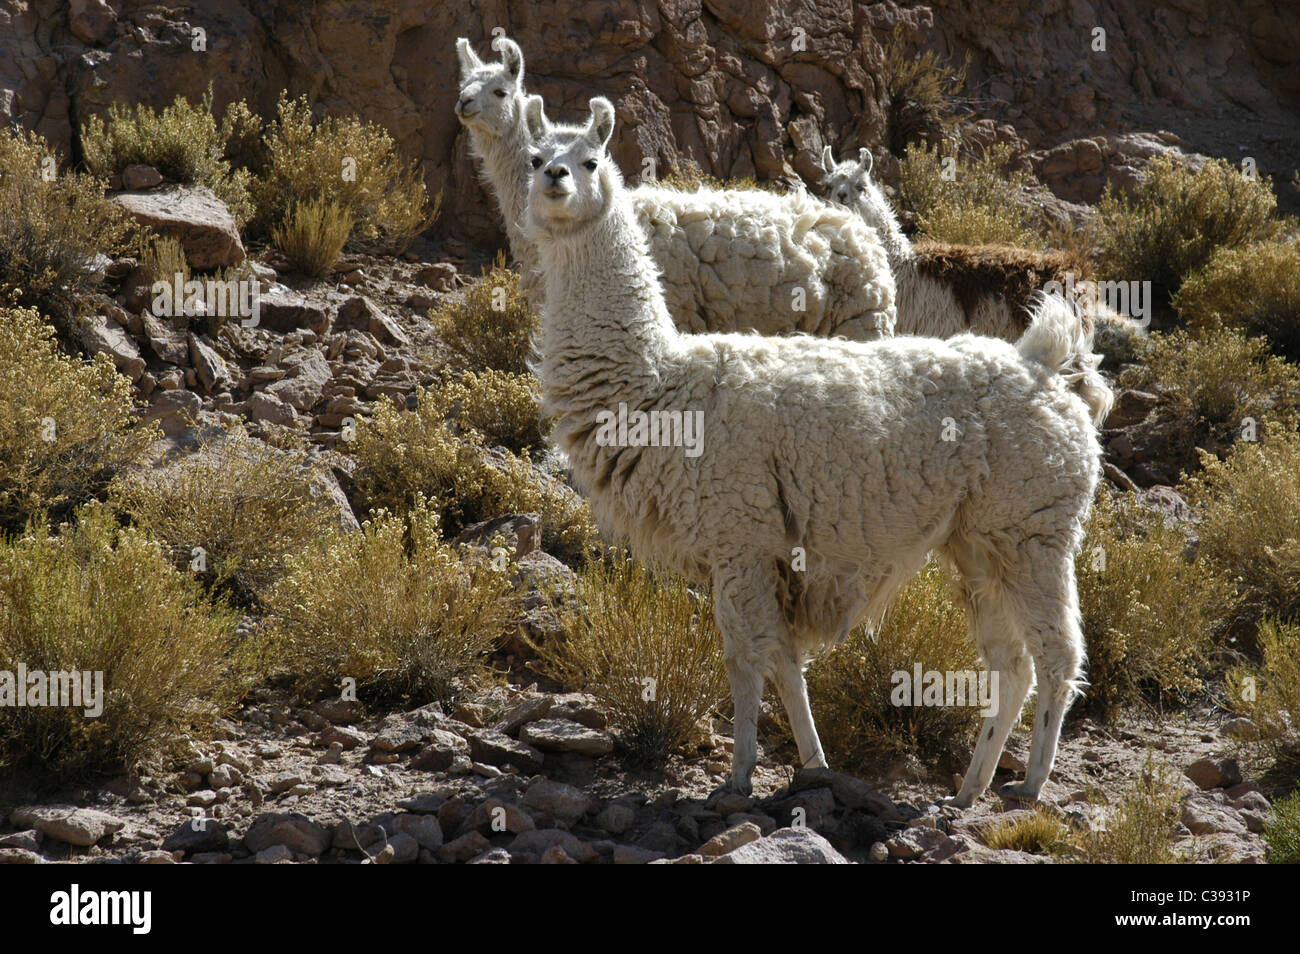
(732, 260)
(942, 289)
(867, 456)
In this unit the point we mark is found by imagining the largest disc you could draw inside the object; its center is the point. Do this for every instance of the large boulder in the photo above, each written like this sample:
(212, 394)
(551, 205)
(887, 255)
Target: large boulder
(193, 216)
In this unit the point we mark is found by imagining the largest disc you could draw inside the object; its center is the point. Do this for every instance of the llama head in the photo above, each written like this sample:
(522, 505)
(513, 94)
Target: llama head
(574, 181)
(849, 183)
(491, 94)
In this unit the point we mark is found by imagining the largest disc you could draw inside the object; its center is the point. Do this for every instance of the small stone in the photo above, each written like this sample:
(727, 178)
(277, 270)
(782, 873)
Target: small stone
(530, 710)
(730, 840)
(1211, 773)
(878, 853)
(157, 857)
(139, 176)
(562, 802)
(1240, 728)
(205, 798)
(298, 832)
(467, 846)
(787, 846)
(29, 840)
(275, 854)
(67, 823)
(616, 818)
(633, 855)
(561, 735)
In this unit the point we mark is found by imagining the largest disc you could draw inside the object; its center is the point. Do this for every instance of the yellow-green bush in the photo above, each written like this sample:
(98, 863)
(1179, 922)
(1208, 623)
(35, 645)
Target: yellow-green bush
(497, 404)
(1177, 219)
(1150, 614)
(348, 162)
(1212, 388)
(1249, 504)
(164, 259)
(977, 203)
(1255, 288)
(852, 686)
(925, 101)
(402, 454)
(1269, 694)
(689, 177)
(312, 235)
(647, 648)
(1282, 832)
(392, 607)
(53, 225)
(248, 505)
(490, 326)
(184, 142)
(1143, 826)
(67, 427)
(100, 598)
(1036, 832)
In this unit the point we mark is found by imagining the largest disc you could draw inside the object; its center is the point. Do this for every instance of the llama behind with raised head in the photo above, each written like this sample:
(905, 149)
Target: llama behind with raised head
(843, 449)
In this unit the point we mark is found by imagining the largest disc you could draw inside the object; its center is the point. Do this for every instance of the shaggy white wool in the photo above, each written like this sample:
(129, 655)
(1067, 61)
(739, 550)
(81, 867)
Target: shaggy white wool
(866, 456)
(927, 305)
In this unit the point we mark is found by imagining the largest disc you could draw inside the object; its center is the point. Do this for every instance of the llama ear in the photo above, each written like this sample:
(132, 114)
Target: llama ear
(469, 60)
(828, 160)
(601, 126)
(865, 159)
(512, 57)
(535, 120)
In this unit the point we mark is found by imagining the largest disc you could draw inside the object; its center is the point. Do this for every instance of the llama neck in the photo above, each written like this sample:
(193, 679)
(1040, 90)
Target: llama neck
(897, 247)
(505, 167)
(606, 333)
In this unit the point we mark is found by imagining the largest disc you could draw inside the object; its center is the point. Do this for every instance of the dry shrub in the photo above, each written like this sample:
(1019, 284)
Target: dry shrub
(497, 404)
(981, 204)
(248, 505)
(1178, 218)
(1142, 827)
(392, 607)
(1150, 614)
(164, 259)
(1282, 831)
(491, 325)
(852, 686)
(1255, 288)
(402, 454)
(1213, 389)
(1249, 505)
(312, 235)
(53, 226)
(68, 427)
(1036, 832)
(1269, 694)
(98, 597)
(352, 164)
(184, 142)
(925, 101)
(647, 648)
(690, 177)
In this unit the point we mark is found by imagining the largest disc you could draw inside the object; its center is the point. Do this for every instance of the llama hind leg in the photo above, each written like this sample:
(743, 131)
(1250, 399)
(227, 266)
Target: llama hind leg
(788, 675)
(1057, 644)
(748, 616)
(999, 643)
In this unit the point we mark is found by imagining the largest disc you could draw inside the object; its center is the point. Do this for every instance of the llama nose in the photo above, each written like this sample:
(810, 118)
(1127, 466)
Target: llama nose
(556, 173)
(844, 196)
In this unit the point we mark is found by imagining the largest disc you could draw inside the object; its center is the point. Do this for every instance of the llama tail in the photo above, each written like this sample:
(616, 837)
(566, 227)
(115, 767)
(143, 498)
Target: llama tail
(1058, 339)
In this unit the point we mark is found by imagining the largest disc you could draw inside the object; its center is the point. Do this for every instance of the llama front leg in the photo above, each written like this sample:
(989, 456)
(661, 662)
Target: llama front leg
(747, 613)
(790, 683)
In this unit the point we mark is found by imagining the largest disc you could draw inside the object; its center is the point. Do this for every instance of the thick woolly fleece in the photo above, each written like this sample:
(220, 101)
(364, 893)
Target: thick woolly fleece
(731, 260)
(866, 456)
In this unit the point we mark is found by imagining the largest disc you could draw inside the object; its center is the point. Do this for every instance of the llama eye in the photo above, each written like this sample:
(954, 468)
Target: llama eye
(862, 188)
(500, 92)
(535, 162)
(590, 165)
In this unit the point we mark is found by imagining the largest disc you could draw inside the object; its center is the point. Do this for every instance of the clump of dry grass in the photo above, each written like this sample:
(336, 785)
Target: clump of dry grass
(647, 648)
(491, 326)
(925, 96)
(972, 201)
(1269, 693)
(312, 235)
(392, 607)
(68, 427)
(1143, 826)
(97, 597)
(1036, 832)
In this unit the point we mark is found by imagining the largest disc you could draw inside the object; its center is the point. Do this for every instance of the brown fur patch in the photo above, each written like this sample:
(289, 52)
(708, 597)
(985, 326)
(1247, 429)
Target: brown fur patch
(978, 271)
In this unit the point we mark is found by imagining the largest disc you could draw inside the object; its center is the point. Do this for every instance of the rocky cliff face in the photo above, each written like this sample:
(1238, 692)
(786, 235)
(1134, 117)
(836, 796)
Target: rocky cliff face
(738, 86)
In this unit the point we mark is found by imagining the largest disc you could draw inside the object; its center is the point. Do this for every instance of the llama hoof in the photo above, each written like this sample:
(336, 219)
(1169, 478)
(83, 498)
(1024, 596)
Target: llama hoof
(1018, 792)
(956, 801)
(732, 787)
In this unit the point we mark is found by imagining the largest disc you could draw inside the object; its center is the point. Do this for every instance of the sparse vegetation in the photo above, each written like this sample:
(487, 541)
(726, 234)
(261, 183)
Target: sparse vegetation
(1283, 831)
(925, 96)
(1249, 505)
(1269, 694)
(164, 258)
(497, 404)
(68, 427)
(248, 506)
(184, 142)
(99, 598)
(1255, 288)
(852, 687)
(1036, 832)
(350, 164)
(1142, 827)
(312, 235)
(972, 201)
(689, 177)
(401, 454)
(392, 607)
(1149, 613)
(55, 225)
(1178, 219)
(491, 326)
(646, 646)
